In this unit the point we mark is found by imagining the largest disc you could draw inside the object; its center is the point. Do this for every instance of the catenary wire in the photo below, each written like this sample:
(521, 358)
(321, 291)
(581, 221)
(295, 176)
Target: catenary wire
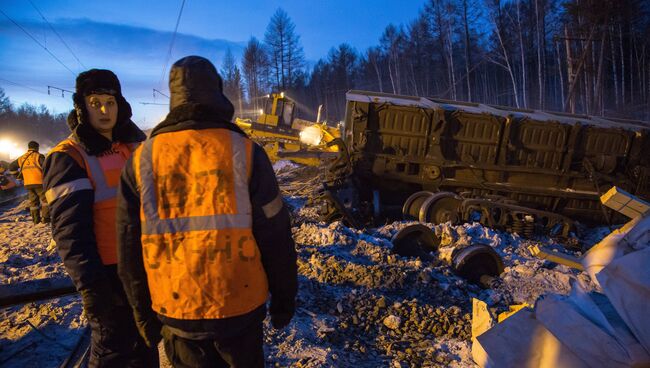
(171, 44)
(23, 86)
(40, 44)
(58, 35)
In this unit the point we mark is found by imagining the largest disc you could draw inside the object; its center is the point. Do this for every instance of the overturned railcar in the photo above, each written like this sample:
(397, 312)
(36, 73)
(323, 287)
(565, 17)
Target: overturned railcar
(518, 169)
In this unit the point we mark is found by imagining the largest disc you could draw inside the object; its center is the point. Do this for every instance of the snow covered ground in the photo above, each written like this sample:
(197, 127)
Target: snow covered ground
(34, 334)
(358, 305)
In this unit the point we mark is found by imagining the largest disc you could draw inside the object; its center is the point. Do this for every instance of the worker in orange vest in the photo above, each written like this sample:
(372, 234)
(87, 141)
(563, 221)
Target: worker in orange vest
(29, 167)
(81, 178)
(203, 233)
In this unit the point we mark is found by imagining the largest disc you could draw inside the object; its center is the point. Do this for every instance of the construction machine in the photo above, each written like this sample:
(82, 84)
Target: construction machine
(286, 137)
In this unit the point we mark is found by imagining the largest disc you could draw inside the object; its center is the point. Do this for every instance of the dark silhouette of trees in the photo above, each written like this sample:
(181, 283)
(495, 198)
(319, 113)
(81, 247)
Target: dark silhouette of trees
(233, 84)
(28, 122)
(581, 56)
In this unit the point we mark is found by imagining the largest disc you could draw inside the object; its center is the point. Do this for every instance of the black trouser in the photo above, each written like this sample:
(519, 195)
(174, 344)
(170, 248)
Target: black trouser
(242, 351)
(115, 341)
(37, 204)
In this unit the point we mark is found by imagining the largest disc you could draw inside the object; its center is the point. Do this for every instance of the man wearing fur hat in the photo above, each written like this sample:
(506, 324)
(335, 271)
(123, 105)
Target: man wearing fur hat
(81, 175)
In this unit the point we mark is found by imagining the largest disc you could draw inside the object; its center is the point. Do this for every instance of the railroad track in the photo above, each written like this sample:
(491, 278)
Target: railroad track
(43, 290)
(79, 355)
(20, 195)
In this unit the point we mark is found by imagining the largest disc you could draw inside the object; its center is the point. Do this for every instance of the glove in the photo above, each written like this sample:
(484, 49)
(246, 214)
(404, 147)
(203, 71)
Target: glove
(98, 300)
(149, 328)
(281, 312)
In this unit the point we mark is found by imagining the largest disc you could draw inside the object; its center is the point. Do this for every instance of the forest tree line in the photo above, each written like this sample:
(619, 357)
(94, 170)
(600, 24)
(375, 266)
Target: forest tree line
(579, 56)
(30, 122)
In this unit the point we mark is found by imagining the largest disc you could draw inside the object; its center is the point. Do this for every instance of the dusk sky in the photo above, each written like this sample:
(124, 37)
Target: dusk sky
(132, 38)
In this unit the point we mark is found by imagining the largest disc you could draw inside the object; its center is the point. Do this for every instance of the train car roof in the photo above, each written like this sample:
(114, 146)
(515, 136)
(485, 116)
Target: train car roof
(502, 111)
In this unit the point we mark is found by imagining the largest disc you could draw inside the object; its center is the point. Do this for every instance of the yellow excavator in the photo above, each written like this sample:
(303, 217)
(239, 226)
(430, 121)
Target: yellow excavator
(285, 137)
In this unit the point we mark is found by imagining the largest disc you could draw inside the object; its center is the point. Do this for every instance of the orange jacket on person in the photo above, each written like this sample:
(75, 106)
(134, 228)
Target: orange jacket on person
(31, 167)
(204, 208)
(83, 224)
(103, 178)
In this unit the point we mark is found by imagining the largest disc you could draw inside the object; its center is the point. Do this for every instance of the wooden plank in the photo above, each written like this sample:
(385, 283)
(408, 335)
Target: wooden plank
(556, 257)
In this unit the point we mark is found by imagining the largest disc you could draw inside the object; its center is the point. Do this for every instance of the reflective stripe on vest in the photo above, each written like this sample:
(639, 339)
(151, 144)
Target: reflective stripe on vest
(200, 255)
(103, 191)
(64, 189)
(103, 172)
(31, 168)
(242, 219)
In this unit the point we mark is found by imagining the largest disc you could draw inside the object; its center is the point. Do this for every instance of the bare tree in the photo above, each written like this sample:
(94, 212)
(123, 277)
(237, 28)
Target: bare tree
(374, 55)
(255, 65)
(286, 54)
(467, 49)
(391, 42)
(502, 53)
(233, 86)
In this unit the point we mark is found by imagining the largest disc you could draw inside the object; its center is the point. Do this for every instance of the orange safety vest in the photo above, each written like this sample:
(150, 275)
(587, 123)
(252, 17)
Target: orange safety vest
(104, 172)
(32, 171)
(200, 256)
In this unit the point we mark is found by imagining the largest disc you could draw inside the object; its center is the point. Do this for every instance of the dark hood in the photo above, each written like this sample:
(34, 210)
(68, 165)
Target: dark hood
(193, 116)
(125, 131)
(194, 80)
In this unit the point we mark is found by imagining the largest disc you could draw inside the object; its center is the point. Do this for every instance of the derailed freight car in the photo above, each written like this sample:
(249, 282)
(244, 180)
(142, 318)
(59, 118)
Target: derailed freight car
(517, 169)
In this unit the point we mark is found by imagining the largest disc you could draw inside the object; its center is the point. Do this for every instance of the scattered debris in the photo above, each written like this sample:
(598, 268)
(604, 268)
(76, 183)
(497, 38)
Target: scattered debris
(607, 327)
(350, 282)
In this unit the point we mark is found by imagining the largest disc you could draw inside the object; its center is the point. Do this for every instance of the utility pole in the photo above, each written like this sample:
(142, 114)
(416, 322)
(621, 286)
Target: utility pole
(574, 70)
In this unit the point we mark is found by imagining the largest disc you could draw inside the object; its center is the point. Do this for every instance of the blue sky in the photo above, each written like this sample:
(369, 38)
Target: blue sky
(132, 38)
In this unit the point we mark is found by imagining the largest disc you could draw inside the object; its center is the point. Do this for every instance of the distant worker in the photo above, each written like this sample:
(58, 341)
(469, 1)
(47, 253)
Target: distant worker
(81, 178)
(203, 234)
(29, 168)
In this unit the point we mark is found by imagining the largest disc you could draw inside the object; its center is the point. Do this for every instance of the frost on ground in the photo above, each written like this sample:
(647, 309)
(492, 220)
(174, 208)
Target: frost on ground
(37, 334)
(40, 334)
(358, 304)
(26, 252)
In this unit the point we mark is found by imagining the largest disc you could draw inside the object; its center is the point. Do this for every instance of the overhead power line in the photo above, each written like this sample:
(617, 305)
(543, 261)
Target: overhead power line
(58, 35)
(40, 44)
(171, 44)
(160, 93)
(22, 85)
(154, 103)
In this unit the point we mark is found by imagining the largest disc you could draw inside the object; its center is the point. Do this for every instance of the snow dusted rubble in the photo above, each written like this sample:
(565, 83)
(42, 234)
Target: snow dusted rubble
(374, 308)
(361, 305)
(358, 304)
(525, 278)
